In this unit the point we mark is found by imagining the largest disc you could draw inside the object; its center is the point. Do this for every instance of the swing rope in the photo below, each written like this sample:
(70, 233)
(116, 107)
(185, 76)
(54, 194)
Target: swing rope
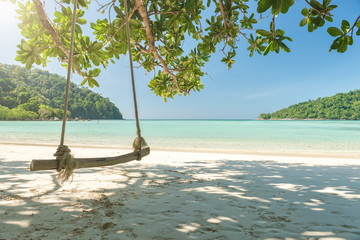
(139, 141)
(67, 163)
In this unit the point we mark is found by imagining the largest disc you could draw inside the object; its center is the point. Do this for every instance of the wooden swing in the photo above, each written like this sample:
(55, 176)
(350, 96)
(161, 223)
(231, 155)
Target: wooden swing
(64, 162)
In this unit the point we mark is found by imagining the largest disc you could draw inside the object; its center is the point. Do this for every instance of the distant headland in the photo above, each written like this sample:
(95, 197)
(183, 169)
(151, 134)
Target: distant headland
(342, 106)
(39, 95)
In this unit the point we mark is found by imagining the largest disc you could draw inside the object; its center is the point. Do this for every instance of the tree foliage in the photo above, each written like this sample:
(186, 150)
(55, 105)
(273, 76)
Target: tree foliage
(342, 106)
(158, 32)
(36, 94)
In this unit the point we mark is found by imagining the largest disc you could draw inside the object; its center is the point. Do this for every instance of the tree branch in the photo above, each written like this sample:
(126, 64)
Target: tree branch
(322, 13)
(151, 41)
(142, 49)
(352, 28)
(47, 25)
(145, 17)
(223, 13)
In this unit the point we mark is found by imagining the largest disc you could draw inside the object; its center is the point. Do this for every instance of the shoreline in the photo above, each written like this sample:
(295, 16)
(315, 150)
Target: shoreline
(332, 155)
(303, 119)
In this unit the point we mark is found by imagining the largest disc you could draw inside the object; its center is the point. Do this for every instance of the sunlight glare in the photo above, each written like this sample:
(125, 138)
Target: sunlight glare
(7, 13)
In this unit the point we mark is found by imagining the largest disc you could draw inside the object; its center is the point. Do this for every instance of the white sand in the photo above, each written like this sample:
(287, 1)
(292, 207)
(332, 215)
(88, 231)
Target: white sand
(176, 195)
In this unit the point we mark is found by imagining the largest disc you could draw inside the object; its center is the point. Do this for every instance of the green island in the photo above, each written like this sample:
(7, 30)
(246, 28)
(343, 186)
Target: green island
(39, 95)
(342, 106)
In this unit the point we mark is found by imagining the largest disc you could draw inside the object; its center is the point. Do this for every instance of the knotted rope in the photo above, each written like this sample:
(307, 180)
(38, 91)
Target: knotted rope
(67, 163)
(138, 144)
(139, 141)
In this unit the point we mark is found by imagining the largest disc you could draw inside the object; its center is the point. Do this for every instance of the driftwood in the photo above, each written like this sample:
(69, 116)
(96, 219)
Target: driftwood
(52, 164)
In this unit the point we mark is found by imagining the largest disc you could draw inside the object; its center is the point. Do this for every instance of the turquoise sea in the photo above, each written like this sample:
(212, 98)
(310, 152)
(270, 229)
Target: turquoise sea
(329, 137)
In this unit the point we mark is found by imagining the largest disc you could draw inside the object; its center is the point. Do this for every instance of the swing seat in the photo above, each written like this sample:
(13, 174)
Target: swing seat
(52, 164)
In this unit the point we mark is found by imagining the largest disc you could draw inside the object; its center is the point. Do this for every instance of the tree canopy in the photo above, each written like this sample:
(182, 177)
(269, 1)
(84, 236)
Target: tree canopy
(342, 106)
(158, 31)
(36, 94)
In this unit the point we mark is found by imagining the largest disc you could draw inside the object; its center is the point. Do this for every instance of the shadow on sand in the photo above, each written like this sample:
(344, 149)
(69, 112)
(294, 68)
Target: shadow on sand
(222, 199)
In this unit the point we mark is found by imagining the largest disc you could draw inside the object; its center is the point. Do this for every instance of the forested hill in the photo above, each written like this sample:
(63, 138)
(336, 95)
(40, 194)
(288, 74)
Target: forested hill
(36, 94)
(342, 106)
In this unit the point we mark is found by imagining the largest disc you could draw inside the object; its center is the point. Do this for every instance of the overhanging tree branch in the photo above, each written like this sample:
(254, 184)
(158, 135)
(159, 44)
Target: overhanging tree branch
(221, 5)
(159, 34)
(151, 42)
(47, 25)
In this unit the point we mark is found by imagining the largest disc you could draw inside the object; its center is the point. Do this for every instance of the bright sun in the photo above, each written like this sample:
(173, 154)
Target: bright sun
(7, 13)
(8, 26)
(10, 32)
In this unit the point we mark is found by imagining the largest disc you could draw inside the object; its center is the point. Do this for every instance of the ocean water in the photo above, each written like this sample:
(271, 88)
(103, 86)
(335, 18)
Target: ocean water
(338, 137)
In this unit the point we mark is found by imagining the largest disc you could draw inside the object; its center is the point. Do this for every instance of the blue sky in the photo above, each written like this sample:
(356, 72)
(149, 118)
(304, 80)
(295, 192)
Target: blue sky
(252, 86)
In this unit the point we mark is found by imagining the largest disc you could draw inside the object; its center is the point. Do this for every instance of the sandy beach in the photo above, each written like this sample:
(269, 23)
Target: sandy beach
(180, 195)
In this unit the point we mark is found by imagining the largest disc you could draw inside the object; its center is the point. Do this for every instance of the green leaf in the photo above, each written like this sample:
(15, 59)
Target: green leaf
(82, 3)
(29, 62)
(276, 46)
(276, 7)
(331, 7)
(279, 32)
(284, 47)
(316, 4)
(118, 11)
(267, 49)
(286, 5)
(95, 72)
(37, 59)
(310, 25)
(335, 44)
(272, 45)
(343, 46)
(349, 40)
(305, 12)
(289, 39)
(345, 26)
(26, 47)
(96, 46)
(78, 29)
(95, 82)
(91, 83)
(81, 21)
(263, 33)
(58, 14)
(303, 22)
(264, 5)
(19, 58)
(329, 19)
(21, 6)
(358, 32)
(83, 82)
(333, 31)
